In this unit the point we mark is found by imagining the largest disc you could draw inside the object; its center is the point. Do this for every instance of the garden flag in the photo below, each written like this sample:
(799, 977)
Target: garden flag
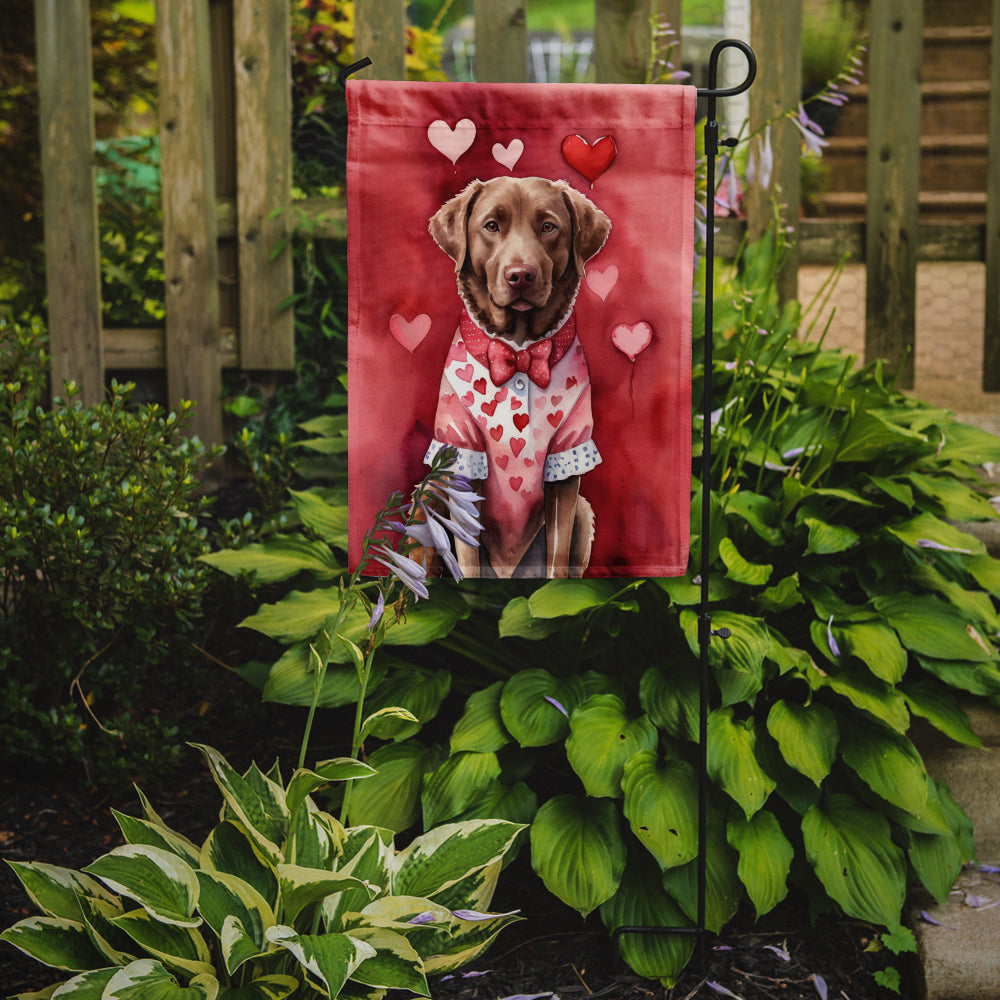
(520, 280)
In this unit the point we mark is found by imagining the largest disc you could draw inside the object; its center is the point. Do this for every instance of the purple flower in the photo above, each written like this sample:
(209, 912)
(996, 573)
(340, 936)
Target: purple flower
(719, 988)
(811, 132)
(927, 543)
(427, 917)
(475, 915)
(558, 705)
(820, 983)
(761, 163)
(431, 535)
(412, 575)
(834, 648)
(780, 952)
(377, 612)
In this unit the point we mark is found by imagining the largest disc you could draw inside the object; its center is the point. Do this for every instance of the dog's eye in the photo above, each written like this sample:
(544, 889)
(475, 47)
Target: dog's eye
(549, 227)
(492, 226)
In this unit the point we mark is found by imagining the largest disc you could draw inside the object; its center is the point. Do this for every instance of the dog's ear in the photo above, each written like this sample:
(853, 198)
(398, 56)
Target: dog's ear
(590, 226)
(449, 224)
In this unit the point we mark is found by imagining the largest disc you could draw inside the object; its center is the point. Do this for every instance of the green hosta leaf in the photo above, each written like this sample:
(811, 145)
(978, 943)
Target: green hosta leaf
(732, 760)
(738, 661)
(301, 887)
(893, 488)
(876, 646)
(516, 803)
(783, 595)
(56, 891)
(765, 858)
(578, 851)
(391, 798)
(941, 709)
(957, 501)
(467, 940)
(866, 692)
(291, 680)
(807, 736)
(888, 763)
(661, 799)
(416, 690)
(641, 901)
(279, 558)
(147, 979)
(870, 436)
(828, 539)
(395, 964)
(180, 948)
(260, 809)
(602, 738)
(758, 511)
(976, 678)
(937, 859)
(440, 858)
(685, 593)
(850, 847)
(226, 898)
(141, 831)
(159, 881)
(671, 699)
(975, 605)
(965, 443)
(456, 784)
(517, 620)
(560, 598)
(481, 728)
(530, 706)
(386, 723)
(325, 519)
(330, 959)
(751, 574)
(986, 572)
(723, 889)
(230, 849)
(98, 916)
(87, 986)
(927, 528)
(304, 782)
(931, 628)
(54, 941)
(275, 987)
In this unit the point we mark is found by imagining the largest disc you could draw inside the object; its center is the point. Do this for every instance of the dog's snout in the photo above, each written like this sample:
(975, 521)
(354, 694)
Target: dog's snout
(520, 277)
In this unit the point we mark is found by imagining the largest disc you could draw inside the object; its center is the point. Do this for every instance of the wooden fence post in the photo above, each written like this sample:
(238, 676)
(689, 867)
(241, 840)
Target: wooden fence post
(190, 251)
(72, 255)
(991, 332)
(262, 61)
(380, 34)
(622, 40)
(501, 41)
(892, 215)
(776, 35)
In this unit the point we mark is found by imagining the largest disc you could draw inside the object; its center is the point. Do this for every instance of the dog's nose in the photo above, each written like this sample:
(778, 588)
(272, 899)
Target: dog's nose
(520, 276)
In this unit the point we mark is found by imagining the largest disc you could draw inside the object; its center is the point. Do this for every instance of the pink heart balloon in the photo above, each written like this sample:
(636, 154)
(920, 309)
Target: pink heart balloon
(409, 332)
(632, 340)
(452, 142)
(601, 282)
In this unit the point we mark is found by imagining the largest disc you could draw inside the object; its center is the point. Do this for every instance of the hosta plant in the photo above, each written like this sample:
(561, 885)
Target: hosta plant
(279, 900)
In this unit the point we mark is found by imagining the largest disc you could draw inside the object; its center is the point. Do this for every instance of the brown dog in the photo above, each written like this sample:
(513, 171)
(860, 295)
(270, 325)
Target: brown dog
(515, 394)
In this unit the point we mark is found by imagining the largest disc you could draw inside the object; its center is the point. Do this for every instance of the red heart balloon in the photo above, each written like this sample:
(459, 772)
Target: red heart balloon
(591, 161)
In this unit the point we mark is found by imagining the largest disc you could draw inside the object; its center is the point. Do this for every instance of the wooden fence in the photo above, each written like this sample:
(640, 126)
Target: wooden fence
(226, 161)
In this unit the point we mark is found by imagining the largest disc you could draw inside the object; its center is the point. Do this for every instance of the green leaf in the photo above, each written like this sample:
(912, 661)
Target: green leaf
(783, 595)
(86, 986)
(325, 519)
(141, 831)
(279, 558)
(758, 511)
(164, 885)
(56, 891)
(527, 709)
(870, 435)
(415, 689)
(671, 699)
(765, 858)
(391, 798)
(331, 959)
(807, 736)
(481, 727)
(147, 979)
(456, 784)
(931, 628)
(578, 851)
(517, 620)
(54, 941)
(941, 709)
(732, 760)
(661, 799)
(301, 887)
(876, 646)
(516, 803)
(965, 443)
(888, 763)
(866, 692)
(292, 680)
(386, 722)
(986, 571)
(181, 948)
(957, 501)
(304, 782)
(751, 574)
(395, 964)
(850, 848)
(601, 739)
(828, 539)
(225, 897)
(928, 528)
(738, 662)
(560, 598)
(274, 987)
(976, 678)
(230, 849)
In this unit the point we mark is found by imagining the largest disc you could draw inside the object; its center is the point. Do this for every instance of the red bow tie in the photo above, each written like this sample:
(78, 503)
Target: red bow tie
(534, 362)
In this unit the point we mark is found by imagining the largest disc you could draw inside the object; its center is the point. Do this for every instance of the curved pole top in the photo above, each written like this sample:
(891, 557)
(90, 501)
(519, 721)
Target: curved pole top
(713, 70)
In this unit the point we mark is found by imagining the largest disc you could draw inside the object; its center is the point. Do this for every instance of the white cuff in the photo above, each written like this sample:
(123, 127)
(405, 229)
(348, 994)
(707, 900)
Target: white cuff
(574, 462)
(469, 463)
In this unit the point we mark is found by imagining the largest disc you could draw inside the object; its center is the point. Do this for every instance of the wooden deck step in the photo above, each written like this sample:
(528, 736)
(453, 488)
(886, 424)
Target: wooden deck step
(958, 206)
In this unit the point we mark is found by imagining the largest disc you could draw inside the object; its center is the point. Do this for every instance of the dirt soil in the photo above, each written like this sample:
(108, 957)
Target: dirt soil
(552, 952)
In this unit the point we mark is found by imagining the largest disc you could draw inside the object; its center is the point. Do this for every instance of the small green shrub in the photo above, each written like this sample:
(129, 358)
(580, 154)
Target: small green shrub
(99, 546)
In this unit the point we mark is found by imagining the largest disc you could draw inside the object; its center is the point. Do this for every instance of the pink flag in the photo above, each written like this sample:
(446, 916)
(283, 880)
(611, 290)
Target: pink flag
(520, 270)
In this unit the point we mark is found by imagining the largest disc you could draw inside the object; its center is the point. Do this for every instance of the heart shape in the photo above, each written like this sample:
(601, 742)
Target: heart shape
(589, 160)
(508, 155)
(601, 282)
(632, 340)
(452, 142)
(517, 445)
(409, 332)
(521, 420)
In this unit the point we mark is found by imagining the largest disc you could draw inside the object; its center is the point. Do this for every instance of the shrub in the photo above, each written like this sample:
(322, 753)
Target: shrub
(99, 539)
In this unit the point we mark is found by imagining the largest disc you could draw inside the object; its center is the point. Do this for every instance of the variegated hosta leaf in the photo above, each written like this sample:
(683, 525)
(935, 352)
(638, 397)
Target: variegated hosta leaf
(456, 784)
(467, 940)
(476, 890)
(304, 782)
(661, 805)
(301, 887)
(765, 858)
(225, 897)
(275, 987)
(535, 706)
(395, 964)
(481, 727)
(807, 736)
(141, 831)
(732, 760)
(230, 849)
(850, 847)
(99, 915)
(642, 902)
(56, 891)
(86, 986)
(441, 857)
(578, 851)
(367, 853)
(391, 799)
(149, 980)
(177, 947)
(256, 801)
(888, 763)
(315, 838)
(54, 941)
(329, 959)
(602, 737)
(158, 880)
